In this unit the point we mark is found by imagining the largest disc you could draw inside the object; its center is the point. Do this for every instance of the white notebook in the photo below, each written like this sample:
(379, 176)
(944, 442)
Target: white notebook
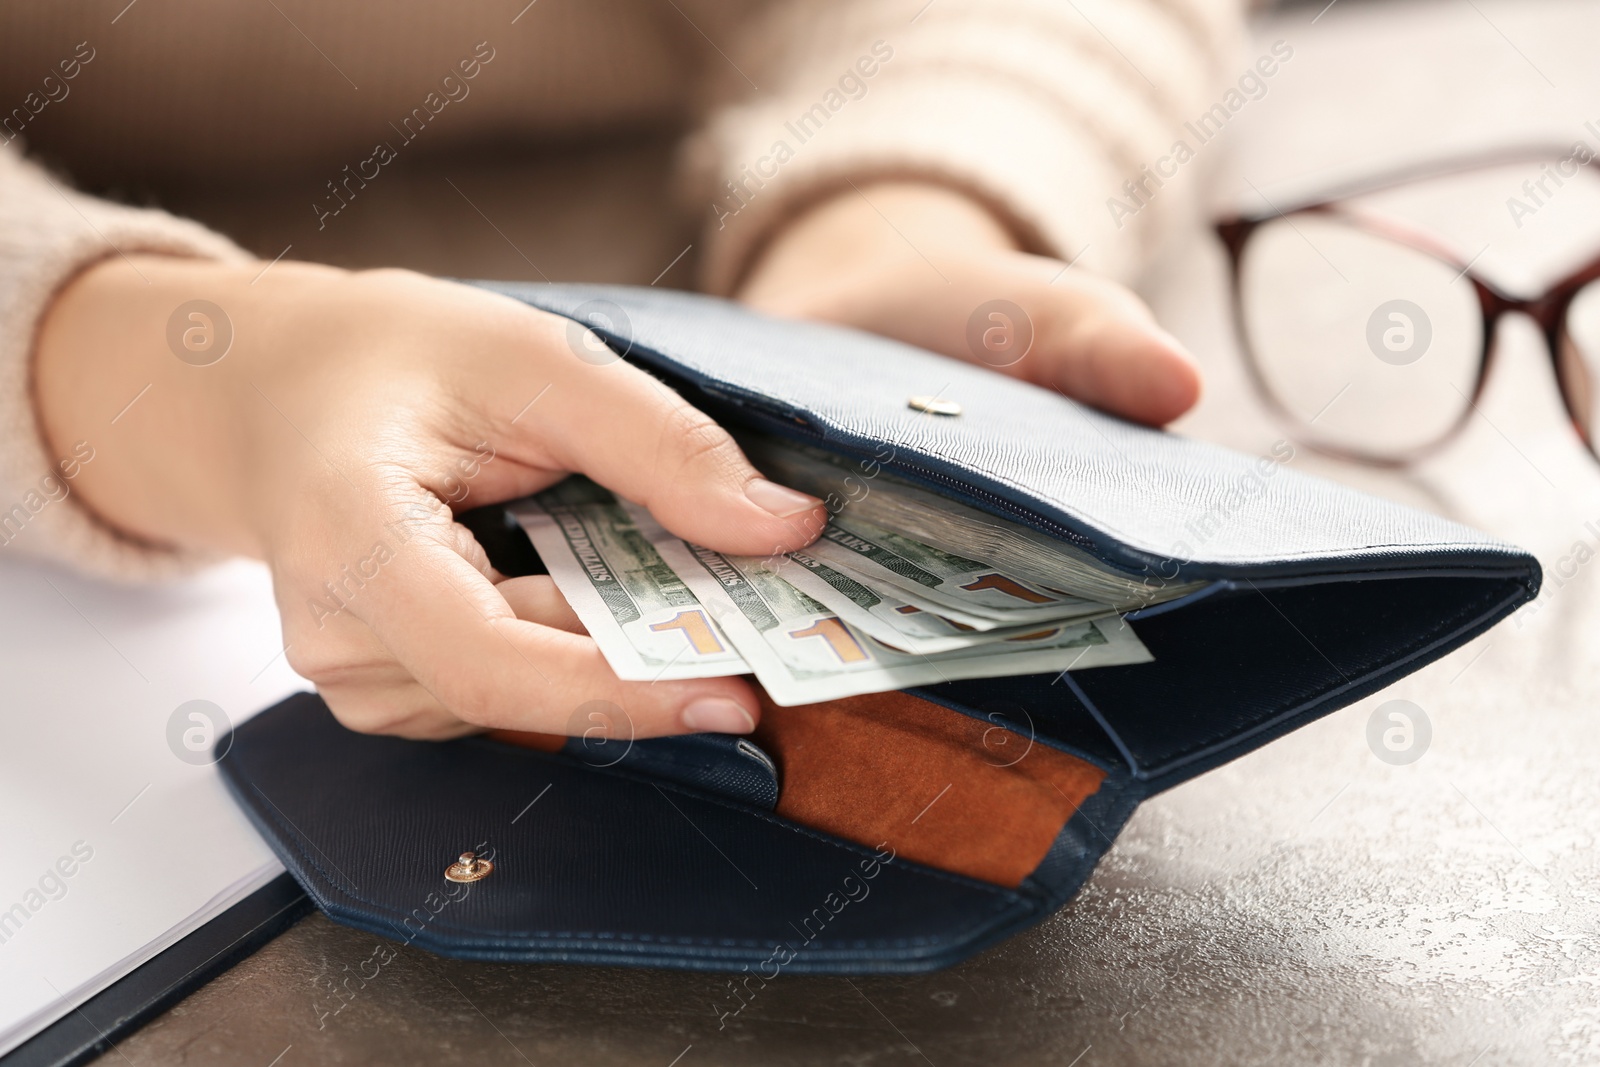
(114, 841)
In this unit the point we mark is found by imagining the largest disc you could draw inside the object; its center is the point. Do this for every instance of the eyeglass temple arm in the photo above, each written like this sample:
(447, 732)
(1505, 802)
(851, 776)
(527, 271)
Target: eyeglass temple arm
(1414, 172)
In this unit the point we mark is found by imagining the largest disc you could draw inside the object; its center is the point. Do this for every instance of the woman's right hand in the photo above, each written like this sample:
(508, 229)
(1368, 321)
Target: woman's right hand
(348, 409)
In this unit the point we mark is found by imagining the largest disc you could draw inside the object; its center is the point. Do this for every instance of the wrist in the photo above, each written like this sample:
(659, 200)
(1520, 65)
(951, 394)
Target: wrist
(157, 386)
(881, 227)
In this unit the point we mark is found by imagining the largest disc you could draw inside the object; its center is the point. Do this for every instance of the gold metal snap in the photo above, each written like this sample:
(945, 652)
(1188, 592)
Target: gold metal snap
(932, 405)
(469, 868)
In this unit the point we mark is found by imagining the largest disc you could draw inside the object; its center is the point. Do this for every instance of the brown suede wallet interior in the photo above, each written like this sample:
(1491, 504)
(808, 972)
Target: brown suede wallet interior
(941, 788)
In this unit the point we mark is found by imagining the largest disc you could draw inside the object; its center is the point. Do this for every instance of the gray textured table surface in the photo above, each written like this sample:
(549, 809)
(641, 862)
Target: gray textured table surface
(1306, 904)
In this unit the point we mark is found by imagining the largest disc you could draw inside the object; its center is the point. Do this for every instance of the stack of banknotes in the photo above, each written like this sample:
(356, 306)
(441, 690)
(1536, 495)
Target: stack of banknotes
(903, 588)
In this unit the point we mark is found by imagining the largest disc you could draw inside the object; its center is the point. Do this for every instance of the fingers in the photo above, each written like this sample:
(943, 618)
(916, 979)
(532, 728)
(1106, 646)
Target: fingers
(536, 599)
(456, 635)
(369, 683)
(638, 438)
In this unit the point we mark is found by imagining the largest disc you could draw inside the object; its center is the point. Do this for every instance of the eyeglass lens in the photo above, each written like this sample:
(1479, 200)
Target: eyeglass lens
(1371, 345)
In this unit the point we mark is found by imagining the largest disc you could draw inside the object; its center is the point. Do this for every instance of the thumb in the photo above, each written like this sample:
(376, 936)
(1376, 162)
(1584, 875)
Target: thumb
(1097, 342)
(638, 438)
(1123, 365)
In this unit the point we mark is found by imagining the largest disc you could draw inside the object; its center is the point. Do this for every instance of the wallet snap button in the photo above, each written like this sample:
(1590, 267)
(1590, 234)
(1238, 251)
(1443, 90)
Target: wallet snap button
(468, 868)
(932, 405)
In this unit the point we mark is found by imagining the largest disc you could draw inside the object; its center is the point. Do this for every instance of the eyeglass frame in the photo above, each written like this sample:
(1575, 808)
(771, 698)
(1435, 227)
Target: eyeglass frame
(1548, 310)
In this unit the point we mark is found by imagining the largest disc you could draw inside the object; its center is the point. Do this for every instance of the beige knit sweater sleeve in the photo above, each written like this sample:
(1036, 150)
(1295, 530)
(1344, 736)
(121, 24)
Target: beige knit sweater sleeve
(1042, 109)
(48, 234)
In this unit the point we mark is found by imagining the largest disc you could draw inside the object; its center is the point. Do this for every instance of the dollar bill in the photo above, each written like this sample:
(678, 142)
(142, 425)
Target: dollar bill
(972, 592)
(802, 652)
(647, 622)
(880, 613)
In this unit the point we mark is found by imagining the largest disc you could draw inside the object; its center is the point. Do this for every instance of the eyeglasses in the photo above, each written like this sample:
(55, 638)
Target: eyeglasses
(1372, 340)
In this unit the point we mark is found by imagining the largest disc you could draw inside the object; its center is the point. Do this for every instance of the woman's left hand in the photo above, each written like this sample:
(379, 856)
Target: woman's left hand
(931, 267)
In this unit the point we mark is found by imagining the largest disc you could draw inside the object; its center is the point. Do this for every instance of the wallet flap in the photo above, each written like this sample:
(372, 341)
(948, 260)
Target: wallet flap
(1142, 500)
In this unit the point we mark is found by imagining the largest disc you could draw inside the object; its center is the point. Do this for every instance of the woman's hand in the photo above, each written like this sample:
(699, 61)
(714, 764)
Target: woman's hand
(919, 262)
(327, 440)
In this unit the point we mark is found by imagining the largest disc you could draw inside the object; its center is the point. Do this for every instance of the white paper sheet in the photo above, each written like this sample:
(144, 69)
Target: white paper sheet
(90, 675)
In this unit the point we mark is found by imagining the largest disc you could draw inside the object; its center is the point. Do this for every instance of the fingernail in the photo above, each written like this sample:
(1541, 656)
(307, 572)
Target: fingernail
(778, 499)
(717, 715)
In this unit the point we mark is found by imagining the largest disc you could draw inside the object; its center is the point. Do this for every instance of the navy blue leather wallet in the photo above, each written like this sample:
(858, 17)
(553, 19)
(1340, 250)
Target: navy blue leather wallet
(902, 831)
